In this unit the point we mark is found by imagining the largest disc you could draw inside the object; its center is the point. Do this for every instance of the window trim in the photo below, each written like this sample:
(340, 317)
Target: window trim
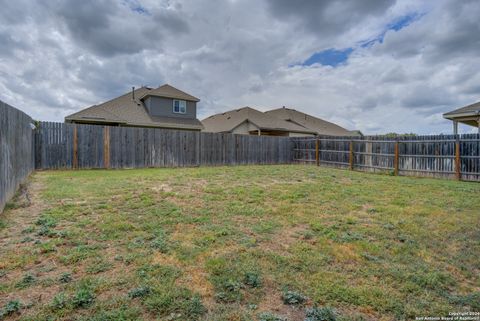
(179, 106)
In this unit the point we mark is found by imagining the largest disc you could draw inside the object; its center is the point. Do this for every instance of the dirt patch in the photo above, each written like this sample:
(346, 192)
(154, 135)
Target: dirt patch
(180, 234)
(194, 277)
(25, 209)
(345, 253)
(282, 240)
(272, 302)
(20, 218)
(162, 188)
(192, 186)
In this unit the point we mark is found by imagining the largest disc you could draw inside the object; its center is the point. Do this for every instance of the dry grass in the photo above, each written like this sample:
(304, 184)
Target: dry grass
(226, 243)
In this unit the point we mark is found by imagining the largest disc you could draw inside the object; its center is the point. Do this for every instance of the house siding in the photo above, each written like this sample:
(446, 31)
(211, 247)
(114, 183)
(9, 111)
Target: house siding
(292, 134)
(160, 106)
(247, 127)
(244, 128)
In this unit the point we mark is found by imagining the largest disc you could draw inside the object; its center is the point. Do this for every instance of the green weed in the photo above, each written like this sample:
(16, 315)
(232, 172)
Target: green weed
(10, 308)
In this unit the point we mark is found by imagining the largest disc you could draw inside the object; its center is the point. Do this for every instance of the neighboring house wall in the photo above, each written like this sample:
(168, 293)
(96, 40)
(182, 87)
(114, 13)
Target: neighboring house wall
(244, 128)
(300, 135)
(160, 106)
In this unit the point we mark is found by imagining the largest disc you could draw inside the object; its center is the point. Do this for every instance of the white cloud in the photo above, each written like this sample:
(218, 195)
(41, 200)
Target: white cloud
(60, 57)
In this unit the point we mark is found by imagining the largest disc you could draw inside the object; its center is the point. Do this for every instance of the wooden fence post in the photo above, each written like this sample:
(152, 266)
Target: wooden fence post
(458, 174)
(106, 147)
(75, 147)
(317, 152)
(351, 155)
(396, 159)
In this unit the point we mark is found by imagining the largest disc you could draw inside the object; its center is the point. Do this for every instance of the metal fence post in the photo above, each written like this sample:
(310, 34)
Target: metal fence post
(317, 154)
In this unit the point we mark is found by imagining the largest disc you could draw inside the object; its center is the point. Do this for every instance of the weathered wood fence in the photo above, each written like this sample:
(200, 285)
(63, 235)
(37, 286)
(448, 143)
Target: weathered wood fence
(443, 156)
(70, 146)
(16, 152)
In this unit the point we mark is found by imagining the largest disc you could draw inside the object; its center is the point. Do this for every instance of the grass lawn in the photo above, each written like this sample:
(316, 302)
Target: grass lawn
(239, 243)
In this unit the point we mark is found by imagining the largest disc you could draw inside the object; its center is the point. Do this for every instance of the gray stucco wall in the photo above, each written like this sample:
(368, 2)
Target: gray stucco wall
(159, 106)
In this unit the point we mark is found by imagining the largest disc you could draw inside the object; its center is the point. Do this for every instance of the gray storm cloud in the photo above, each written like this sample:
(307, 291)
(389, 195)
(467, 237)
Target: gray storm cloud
(57, 57)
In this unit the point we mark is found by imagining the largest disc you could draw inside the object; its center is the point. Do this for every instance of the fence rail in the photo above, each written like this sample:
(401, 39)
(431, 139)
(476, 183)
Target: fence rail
(16, 152)
(59, 145)
(446, 156)
(70, 146)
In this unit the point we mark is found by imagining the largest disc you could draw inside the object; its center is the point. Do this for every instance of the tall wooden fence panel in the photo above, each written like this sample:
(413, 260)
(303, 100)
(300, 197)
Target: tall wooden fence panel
(444, 156)
(16, 150)
(71, 146)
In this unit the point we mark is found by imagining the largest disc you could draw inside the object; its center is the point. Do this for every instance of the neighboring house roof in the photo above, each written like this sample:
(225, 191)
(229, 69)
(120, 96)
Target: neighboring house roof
(127, 111)
(169, 92)
(356, 133)
(319, 126)
(228, 121)
(470, 110)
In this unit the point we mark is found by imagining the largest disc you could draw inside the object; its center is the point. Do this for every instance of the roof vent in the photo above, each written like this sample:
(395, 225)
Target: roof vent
(133, 93)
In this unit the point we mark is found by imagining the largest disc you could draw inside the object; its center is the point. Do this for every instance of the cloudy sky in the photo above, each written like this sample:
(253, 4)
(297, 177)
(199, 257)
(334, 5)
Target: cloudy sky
(374, 65)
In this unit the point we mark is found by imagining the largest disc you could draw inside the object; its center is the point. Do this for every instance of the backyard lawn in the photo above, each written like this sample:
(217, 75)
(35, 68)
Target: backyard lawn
(262, 243)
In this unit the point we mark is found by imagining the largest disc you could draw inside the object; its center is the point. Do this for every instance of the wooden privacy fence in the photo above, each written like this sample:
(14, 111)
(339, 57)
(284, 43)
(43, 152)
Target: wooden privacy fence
(16, 152)
(71, 146)
(445, 156)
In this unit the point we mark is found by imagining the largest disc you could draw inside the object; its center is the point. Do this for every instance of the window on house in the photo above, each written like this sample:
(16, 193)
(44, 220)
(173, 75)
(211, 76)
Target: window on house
(179, 106)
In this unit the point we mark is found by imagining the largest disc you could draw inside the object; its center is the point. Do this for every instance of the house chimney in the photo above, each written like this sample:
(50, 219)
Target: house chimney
(133, 93)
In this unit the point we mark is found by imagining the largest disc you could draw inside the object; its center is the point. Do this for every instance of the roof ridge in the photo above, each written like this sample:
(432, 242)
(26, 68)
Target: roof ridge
(186, 95)
(106, 102)
(464, 109)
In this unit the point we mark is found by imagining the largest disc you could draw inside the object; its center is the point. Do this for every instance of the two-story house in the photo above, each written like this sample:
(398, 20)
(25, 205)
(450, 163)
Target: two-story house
(162, 107)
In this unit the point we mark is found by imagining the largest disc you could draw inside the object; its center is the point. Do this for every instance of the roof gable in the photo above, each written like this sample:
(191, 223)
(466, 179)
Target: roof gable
(227, 121)
(169, 92)
(129, 109)
(472, 109)
(320, 126)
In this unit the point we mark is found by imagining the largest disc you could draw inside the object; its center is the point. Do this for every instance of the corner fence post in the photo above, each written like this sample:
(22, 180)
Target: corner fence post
(458, 174)
(396, 159)
(75, 147)
(317, 155)
(351, 155)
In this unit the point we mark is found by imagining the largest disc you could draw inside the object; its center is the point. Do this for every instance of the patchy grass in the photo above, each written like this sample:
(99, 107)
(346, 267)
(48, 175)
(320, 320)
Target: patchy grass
(239, 243)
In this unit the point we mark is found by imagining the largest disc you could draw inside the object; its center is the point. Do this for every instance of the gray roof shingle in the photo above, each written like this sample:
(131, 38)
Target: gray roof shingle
(226, 122)
(319, 126)
(470, 109)
(169, 92)
(128, 111)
